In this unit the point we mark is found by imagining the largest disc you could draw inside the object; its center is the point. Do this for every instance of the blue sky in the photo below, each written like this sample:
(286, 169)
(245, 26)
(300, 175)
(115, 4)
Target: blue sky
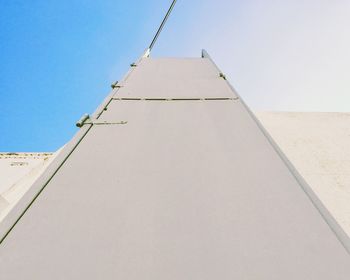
(58, 58)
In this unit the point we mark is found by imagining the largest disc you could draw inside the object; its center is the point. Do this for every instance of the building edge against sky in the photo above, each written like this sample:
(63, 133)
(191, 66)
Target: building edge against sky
(143, 149)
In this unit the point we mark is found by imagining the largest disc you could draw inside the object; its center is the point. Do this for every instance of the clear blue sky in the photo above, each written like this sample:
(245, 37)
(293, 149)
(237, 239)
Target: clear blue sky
(58, 58)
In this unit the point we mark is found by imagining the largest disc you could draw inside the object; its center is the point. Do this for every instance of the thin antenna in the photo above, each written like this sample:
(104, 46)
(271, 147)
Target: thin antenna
(160, 28)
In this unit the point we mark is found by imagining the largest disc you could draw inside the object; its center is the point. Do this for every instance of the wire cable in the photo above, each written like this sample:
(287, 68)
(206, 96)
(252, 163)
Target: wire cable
(161, 26)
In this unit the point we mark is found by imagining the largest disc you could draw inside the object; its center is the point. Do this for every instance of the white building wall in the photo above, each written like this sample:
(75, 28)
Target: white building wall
(318, 145)
(18, 171)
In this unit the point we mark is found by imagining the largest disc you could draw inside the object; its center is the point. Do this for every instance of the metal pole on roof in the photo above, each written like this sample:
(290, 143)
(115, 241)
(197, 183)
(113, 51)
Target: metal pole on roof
(148, 51)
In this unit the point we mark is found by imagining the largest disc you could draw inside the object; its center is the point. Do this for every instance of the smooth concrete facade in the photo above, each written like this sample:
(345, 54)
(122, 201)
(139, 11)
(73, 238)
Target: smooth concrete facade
(318, 145)
(175, 179)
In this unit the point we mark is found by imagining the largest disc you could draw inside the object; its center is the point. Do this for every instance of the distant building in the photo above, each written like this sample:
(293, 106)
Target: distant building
(18, 171)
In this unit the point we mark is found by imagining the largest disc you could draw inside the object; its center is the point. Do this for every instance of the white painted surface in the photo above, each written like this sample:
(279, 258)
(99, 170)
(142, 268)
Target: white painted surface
(318, 145)
(18, 171)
